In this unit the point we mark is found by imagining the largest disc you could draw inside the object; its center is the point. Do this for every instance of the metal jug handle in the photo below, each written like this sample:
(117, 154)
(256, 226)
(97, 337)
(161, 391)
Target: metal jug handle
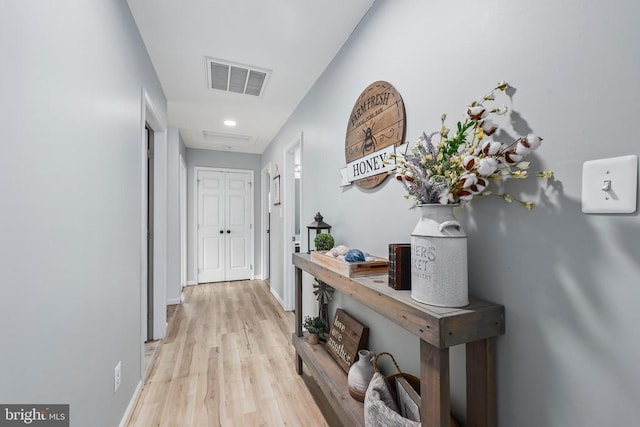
(446, 224)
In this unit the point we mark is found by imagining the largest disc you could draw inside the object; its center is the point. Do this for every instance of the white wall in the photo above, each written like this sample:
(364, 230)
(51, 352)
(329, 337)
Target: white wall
(70, 206)
(228, 160)
(569, 281)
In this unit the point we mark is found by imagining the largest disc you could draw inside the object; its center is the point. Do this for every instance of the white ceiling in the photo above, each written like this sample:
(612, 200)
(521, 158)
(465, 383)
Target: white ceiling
(295, 39)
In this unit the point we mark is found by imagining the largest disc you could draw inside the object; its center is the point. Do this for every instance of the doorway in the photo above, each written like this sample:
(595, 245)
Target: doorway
(292, 177)
(224, 206)
(266, 223)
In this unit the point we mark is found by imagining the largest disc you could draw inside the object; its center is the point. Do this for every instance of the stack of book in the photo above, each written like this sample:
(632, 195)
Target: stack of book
(400, 266)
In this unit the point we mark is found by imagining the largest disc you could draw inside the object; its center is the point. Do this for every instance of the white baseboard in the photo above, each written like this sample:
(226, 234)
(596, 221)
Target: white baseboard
(173, 301)
(132, 404)
(192, 283)
(277, 297)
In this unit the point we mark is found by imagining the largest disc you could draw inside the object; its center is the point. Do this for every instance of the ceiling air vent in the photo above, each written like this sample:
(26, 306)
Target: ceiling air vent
(230, 77)
(231, 139)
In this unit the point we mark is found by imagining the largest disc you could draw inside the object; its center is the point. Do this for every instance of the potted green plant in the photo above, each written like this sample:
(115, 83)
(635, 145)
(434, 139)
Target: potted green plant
(315, 326)
(324, 242)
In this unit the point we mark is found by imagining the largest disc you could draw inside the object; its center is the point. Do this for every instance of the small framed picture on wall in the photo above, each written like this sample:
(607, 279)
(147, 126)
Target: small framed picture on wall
(276, 190)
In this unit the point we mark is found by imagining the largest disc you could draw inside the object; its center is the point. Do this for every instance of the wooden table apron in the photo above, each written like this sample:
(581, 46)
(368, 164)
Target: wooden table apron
(476, 325)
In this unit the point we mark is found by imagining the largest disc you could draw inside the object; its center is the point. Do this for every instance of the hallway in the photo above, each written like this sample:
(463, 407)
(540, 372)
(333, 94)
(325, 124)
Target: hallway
(227, 360)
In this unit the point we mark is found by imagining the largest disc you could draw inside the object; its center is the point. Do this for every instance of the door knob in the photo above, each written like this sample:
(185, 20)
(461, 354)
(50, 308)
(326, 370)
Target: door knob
(221, 231)
(228, 231)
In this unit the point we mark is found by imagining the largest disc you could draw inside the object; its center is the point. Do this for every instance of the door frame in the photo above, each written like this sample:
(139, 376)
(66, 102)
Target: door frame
(288, 196)
(183, 221)
(149, 115)
(265, 202)
(150, 308)
(194, 208)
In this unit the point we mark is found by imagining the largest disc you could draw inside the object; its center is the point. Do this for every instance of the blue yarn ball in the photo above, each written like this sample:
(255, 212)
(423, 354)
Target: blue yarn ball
(354, 255)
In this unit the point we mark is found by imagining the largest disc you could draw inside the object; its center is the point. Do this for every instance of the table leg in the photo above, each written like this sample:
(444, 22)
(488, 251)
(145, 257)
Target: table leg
(298, 302)
(481, 383)
(434, 383)
(298, 316)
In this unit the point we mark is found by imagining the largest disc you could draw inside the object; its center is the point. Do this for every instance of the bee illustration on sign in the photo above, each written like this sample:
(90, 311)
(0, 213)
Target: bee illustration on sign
(369, 144)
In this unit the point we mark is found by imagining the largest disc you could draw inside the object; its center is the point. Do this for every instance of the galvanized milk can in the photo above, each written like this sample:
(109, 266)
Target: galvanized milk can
(439, 258)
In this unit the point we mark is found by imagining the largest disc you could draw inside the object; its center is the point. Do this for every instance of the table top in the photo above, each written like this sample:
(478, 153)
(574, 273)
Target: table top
(441, 327)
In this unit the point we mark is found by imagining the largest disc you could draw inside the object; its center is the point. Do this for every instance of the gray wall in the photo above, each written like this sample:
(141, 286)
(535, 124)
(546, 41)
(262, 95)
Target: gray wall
(569, 281)
(227, 160)
(71, 204)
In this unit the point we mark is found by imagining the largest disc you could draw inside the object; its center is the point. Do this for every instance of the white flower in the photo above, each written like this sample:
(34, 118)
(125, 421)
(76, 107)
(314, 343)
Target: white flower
(487, 166)
(528, 144)
(521, 148)
(469, 162)
(511, 157)
(477, 188)
(481, 185)
(489, 127)
(491, 148)
(446, 197)
(478, 112)
(468, 180)
(533, 141)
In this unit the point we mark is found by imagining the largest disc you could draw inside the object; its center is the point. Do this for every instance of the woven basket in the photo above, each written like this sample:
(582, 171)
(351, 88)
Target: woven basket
(412, 380)
(391, 379)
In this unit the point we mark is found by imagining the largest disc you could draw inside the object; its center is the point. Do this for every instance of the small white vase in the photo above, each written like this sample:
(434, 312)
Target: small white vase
(360, 374)
(439, 258)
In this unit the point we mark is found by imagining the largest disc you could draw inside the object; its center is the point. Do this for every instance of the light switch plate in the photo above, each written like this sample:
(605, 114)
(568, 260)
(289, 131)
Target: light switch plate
(610, 185)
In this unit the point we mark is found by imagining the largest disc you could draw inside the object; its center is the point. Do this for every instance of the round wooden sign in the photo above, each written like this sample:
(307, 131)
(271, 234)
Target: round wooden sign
(377, 121)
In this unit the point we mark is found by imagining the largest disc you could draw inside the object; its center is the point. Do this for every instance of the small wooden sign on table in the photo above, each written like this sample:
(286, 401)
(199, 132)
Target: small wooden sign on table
(346, 337)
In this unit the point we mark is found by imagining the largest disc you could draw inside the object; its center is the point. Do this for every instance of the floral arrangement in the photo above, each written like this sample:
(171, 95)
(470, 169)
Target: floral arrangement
(459, 166)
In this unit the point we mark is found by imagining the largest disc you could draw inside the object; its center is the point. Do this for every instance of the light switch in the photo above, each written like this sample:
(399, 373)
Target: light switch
(610, 185)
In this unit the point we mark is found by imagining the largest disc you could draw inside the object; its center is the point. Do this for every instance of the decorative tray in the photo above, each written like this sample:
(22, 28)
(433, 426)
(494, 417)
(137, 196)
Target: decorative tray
(351, 269)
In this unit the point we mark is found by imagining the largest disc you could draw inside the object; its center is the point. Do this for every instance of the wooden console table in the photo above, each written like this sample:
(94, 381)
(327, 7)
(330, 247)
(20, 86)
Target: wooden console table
(476, 325)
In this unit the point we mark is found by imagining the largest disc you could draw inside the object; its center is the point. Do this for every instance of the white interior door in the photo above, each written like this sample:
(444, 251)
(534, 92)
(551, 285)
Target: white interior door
(238, 226)
(225, 225)
(211, 227)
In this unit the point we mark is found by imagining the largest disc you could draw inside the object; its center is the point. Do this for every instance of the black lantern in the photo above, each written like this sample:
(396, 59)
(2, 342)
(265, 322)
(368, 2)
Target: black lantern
(317, 225)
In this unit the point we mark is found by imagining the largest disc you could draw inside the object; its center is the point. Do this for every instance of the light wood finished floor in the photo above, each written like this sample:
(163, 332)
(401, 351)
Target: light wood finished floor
(227, 360)
(150, 354)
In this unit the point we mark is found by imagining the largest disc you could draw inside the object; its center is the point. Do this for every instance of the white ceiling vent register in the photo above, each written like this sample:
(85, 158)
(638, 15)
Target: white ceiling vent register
(238, 78)
(231, 139)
